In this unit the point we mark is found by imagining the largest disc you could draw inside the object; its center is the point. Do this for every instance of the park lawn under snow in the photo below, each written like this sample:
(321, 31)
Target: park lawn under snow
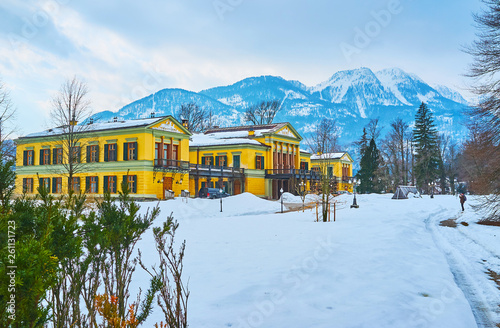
(386, 264)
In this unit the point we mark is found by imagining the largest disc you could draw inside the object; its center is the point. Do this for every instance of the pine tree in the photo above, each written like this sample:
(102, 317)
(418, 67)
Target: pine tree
(426, 147)
(369, 167)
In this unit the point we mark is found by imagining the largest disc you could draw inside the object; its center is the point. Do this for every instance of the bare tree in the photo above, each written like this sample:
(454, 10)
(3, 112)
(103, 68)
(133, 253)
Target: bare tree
(198, 119)
(70, 106)
(485, 72)
(262, 113)
(174, 294)
(7, 113)
(324, 139)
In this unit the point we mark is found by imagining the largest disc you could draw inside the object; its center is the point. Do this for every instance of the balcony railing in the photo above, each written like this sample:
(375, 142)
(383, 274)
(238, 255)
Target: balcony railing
(171, 164)
(209, 169)
(289, 172)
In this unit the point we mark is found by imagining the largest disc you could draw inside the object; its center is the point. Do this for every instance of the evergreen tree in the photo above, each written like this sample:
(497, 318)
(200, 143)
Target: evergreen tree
(425, 137)
(367, 175)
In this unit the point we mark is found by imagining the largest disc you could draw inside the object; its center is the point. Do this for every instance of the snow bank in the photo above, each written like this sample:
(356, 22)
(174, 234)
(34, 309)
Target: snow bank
(377, 266)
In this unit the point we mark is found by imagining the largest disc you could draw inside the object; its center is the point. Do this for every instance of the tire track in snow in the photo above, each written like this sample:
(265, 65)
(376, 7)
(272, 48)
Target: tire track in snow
(465, 271)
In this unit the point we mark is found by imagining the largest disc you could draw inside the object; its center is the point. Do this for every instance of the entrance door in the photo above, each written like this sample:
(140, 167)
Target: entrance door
(167, 185)
(237, 187)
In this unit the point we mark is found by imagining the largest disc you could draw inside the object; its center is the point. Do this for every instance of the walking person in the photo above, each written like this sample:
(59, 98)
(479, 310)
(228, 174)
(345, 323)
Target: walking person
(462, 200)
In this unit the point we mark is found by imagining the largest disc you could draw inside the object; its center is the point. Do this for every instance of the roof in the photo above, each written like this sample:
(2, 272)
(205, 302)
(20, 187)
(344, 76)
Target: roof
(204, 140)
(261, 129)
(99, 126)
(328, 156)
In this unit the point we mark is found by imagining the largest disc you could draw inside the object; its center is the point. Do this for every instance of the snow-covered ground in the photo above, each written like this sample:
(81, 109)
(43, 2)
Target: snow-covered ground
(386, 264)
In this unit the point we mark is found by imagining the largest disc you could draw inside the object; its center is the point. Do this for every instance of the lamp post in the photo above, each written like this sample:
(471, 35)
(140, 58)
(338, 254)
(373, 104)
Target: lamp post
(220, 191)
(354, 203)
(281, 191)
(302, 189)
(431, 185)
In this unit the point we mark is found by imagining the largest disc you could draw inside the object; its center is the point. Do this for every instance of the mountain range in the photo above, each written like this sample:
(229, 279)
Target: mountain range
(352, 97)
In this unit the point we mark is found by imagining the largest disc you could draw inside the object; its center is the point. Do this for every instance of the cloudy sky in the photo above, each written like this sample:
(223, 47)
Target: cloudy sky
(125, 50)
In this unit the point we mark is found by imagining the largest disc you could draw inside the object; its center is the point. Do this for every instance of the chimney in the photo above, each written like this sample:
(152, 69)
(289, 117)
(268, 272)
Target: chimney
(91, 121)
(115, 119)
(152, 114)
(73, 121)
(251, 132)
(185, 123)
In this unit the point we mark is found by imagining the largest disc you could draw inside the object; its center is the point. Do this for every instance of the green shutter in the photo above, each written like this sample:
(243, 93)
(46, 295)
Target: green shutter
(40, 160)
(216, 160)
(262, 163)
(40, 184)
(203, 160)
(87, 184)
(105, 186)
(124, 182)
(88, 154)
(97, 185)
(48, 180)
(54, 183)
(106, 150)
(134, 185)
(225, 161)
(136, 154)
(97, 157)
(25, 158)
(54, 156)
(125, 151)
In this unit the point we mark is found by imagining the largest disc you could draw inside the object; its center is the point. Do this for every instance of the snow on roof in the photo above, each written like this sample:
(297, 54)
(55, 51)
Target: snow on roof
(200, 140)
(328, 156)
(258, 129)
(99, 126)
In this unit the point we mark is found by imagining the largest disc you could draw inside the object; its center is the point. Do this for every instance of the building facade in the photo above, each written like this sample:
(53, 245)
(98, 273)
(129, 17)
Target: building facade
(150, 155)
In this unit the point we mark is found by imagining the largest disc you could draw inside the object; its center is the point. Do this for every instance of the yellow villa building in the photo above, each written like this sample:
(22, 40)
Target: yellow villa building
(337, 166)
(150, 154)
(159, 158)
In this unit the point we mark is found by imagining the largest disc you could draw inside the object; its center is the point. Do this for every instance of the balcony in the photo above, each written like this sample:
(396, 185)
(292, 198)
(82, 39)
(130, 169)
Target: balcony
(216, 171)
(288, 173)
(171, 165)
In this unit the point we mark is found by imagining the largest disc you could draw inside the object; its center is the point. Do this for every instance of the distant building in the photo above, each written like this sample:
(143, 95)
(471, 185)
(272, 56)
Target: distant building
(337, 166)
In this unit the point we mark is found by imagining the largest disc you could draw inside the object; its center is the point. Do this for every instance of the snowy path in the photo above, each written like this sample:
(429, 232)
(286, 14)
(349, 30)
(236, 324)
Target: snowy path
(472, 252)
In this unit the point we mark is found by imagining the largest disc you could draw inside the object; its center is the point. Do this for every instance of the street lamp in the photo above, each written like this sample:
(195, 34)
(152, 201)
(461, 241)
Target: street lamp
(221, 191)
(281, 191)
(302, 190)
(354, 203)
(431, 185)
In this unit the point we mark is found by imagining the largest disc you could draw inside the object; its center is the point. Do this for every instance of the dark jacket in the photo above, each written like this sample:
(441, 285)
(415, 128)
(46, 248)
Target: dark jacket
(462, 198)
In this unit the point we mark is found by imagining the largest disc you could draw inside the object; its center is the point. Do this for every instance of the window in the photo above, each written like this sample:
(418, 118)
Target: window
(304, 166)
(28, 157)
(207, 160)
(57, 156)
(75, 154)
(157, 150)
(110, 152)
(92, 154)
(44, 157)
(57, 185)
(44, 183)
(130, 151)
(330, 171)
(236, 161)
(75, 184)
(174, 152)
(110, 184)
(131, 181)
(259, 162)
(91, 185)
(316, 169)
(221, 160)
(28, 185)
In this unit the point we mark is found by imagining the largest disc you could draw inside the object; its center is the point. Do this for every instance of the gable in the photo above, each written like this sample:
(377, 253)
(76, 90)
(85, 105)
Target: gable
(288, 131)
(169, 124)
